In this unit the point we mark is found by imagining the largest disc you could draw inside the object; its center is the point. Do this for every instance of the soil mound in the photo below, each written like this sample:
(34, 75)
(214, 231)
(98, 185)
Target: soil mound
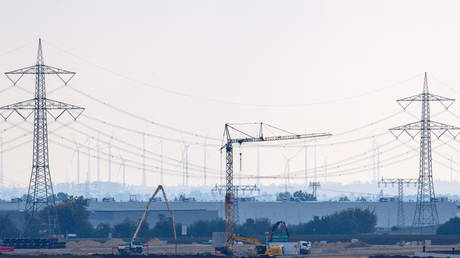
(155, 241)
(71, 244)
(88, 243)
(113, 242)
(357, 244)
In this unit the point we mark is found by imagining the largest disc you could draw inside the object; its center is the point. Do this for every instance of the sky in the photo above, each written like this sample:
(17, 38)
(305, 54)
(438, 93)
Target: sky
(303, 66)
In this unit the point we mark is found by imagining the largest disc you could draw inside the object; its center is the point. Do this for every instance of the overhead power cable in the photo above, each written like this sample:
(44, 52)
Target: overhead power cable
(219, 101)
(156, 159)
(120, 110)
(146, 133)
(132, 164)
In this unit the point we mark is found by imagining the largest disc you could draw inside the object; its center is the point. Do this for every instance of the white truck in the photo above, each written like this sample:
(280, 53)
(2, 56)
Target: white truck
(293, 248)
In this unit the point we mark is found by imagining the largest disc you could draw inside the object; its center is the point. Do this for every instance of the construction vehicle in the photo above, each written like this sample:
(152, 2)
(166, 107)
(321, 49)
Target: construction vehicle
(261, 249)
(288, 248)
(282, 238)
(136, 247)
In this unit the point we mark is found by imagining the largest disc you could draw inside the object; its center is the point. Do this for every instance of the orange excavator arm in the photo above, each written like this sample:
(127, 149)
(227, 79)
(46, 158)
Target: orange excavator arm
(147, 211)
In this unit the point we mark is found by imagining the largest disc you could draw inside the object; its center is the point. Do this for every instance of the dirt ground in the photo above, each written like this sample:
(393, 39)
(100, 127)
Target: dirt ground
(161, 249)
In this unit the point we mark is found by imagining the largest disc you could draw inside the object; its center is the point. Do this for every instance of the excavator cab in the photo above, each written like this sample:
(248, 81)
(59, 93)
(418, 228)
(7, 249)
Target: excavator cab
(274, 251)
(261, 250)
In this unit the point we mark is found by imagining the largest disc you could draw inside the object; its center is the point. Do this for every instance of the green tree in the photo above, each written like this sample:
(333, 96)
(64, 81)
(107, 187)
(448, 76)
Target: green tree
(255, 227)
(350, 221)
(204, 228)
(125, 229)
(303, 196)
(102, 230)
(60, 197)
(163, 227)
(7, 228)
(32, 225)
(72, 216)
(344, 199)
(451, 227)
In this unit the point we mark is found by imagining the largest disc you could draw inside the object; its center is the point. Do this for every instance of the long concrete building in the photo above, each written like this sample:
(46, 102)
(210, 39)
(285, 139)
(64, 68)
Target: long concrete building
(291, 212)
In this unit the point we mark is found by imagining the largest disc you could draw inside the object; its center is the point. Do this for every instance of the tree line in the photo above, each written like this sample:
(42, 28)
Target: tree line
(72, 216)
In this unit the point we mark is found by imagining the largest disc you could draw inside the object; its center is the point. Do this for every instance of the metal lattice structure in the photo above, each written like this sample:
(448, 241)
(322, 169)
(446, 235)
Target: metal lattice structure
(315, 185)
(245, 138)
(401, 222)
(40, 193)
(238, 189)
(426, 212)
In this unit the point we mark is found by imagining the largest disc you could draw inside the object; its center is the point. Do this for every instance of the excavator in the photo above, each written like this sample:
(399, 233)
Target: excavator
(134, 246)
(261, 249)
(283, 238)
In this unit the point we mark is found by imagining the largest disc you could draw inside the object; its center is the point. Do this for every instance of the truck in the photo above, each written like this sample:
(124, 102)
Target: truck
(293, 248)
(288, 248)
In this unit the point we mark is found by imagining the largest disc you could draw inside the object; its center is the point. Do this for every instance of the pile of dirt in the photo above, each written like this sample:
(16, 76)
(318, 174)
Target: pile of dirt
(88, 243)
(330, 245)
(113, 242)
(71, 244)
(155, 242)
(357, 244)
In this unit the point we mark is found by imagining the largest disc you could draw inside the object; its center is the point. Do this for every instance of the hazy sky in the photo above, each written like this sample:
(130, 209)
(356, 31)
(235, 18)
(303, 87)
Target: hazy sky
(304, 66)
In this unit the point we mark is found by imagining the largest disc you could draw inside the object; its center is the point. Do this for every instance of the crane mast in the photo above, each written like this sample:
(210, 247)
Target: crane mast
(228, 146)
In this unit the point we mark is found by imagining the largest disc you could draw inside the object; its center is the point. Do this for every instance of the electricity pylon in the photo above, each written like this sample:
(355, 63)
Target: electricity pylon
(315, 185)
(238, 189)
(426, 212)
(401, 222)
(40, 193)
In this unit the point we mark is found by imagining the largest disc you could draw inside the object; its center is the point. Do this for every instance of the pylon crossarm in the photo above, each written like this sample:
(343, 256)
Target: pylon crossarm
(54, 104)
(427, 97)
(44, 69)
(438, 129)
(51, 107)
(440, 126)
(397, 131)
(26, 70)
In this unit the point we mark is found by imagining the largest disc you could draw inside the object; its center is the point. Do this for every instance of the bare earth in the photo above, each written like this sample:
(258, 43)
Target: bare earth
(330, 250)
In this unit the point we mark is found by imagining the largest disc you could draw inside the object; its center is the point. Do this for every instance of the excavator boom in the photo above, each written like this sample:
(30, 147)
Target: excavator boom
(147, 211)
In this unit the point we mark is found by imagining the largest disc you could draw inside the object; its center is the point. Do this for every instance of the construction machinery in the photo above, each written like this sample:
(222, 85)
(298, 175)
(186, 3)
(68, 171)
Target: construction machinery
(282, 238)
(136, 247)
(288, 248)
(261, 249)
(228, 146)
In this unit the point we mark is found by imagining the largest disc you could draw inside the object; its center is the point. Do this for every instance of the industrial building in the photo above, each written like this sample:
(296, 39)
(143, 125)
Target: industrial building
(291, 212)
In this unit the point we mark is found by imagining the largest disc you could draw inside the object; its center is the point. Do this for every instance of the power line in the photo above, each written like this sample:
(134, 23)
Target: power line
(188, 95)
(120, 110)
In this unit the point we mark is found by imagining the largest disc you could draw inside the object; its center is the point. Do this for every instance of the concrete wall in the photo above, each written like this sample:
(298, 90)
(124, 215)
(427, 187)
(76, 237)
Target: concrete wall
(180, 216)
(291, 212)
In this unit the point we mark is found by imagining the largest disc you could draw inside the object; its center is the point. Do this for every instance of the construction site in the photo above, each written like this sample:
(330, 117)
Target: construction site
(231, 133)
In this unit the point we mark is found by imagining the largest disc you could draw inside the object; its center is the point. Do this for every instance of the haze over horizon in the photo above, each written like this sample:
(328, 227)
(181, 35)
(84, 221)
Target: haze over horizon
(316, 66)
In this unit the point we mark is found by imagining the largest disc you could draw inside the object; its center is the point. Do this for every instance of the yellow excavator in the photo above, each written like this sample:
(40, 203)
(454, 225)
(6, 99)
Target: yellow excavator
(261, 250)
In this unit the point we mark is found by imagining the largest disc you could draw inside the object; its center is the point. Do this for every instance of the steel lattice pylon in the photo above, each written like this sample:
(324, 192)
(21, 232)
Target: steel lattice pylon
(400, 181)
(237, 190)
(426, 212)
(40, 193)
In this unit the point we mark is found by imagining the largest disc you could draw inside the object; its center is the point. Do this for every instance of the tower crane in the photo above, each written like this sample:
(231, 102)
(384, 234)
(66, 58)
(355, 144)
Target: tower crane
(228, 146)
